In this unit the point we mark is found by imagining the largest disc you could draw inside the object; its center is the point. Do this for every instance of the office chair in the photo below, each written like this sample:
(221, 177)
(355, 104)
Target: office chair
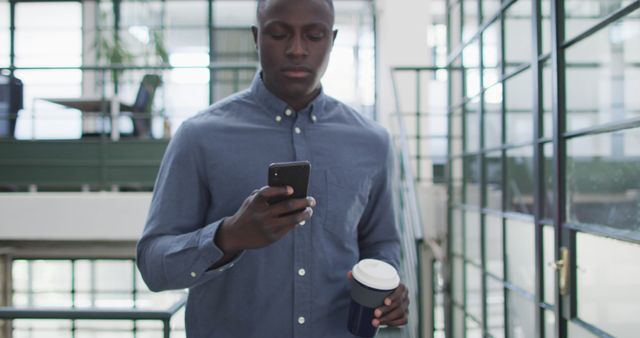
(141, 108)
(11, 101)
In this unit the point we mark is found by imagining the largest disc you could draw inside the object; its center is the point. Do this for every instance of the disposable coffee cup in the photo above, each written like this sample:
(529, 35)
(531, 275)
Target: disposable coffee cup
(373, 280)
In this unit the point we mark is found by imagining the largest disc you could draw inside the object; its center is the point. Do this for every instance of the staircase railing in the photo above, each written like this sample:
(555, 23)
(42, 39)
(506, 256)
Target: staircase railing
(422, 255)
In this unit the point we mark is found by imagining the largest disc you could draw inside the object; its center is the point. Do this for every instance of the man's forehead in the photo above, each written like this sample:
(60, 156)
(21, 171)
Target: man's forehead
(266, 6)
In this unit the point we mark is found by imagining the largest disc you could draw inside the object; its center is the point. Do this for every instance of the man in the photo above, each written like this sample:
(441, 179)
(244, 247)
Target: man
(252, 272)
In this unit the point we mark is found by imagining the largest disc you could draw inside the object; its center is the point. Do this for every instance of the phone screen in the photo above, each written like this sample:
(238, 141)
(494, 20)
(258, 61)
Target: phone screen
(293, 174)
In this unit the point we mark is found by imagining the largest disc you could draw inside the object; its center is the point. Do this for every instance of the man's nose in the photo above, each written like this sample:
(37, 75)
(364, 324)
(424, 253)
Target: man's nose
(297, 47)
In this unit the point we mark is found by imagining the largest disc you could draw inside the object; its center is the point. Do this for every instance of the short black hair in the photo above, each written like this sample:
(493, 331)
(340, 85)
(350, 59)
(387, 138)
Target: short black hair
(262, 3)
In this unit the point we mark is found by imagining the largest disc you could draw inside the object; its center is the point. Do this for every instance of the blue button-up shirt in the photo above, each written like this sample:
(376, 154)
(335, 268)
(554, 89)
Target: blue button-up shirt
(297, 286)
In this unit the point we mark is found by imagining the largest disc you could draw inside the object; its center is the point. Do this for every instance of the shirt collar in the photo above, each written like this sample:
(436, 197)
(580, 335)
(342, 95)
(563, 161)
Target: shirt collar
(277, 107)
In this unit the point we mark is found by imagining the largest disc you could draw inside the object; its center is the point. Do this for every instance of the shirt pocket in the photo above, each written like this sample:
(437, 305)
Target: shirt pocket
(347, 197)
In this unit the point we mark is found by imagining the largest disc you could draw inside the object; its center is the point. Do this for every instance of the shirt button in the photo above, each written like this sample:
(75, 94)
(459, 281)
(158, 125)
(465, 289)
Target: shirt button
(314, 118)
(193, 274)
(288, 112)
(278, 118)
(301, 272)
(297, 130)
(300, 320)
(302, 223)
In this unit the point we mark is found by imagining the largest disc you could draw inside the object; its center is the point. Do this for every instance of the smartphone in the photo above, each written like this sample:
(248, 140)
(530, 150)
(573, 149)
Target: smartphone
(293, 174)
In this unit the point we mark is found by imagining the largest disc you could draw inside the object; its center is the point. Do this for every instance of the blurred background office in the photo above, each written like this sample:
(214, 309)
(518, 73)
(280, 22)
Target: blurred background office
(516, 125)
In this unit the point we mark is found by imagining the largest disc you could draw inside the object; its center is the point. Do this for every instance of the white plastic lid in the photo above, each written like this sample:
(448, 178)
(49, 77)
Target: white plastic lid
(376, 274)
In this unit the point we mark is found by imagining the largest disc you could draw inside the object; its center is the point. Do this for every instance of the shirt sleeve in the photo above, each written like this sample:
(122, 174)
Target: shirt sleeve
(377, 232)
(177, 250)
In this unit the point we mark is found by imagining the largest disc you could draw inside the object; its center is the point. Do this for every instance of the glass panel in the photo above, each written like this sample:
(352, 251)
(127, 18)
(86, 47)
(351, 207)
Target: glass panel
(491, 54)
(545, 11)
(519, 108)
(603, 179)
(27, 328)
(104, 328)
(471, 19)
(576, 331)
(490, 8)
(474, 329)
(474, 291)
(458, 280)
(20, 276)
(456, 231)
(580, 15)
(45, 283)
(472, 180)
(549, 273)
(548, 210)
(521, 317)
(550, 324)
(350, 76)
(458, 322)
(48, 34)
(4, 34)
(455, 26)
(493, 117)
(472, 236)
(493, 171)
(142, 32)
(608, 280)
(517, 35)
(519, 180)
(603, 77)
(187, 13)
(495, 308)
(493, 245)
(547, 105)
(240, 13)
(520, 254)
(472, 126)
(471, 60)
(456, 133)
(456, 84)
(236, 45)
(456, 180)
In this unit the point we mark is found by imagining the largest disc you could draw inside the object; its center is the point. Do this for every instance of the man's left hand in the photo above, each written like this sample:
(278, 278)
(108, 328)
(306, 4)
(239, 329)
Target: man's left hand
(395, 311)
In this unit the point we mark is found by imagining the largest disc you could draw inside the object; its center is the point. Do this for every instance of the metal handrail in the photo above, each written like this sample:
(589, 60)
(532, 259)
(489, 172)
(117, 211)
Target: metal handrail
(95, 314)
(433, 244)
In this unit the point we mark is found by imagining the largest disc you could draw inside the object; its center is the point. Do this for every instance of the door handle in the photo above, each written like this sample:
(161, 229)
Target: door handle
(562, 266)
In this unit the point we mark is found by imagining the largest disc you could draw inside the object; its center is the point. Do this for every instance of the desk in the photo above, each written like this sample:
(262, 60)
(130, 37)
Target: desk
(96, 107)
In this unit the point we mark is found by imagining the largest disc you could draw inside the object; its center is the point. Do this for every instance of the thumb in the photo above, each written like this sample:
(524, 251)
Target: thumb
(350, 275)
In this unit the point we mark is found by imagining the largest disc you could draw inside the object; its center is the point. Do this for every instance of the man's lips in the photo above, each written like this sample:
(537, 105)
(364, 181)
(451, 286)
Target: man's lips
(296, 72)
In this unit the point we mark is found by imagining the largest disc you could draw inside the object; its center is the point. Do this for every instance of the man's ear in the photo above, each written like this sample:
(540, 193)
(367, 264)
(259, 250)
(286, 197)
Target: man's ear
(254, 31)
(335, 35)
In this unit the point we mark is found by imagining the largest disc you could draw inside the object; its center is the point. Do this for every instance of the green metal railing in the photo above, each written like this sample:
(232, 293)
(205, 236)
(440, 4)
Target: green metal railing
(99, 163)
(11, 313)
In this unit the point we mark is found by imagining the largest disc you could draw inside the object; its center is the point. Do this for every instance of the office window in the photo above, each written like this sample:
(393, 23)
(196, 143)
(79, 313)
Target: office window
(580, 15)
(48, 34)
(4, 33)
(608, 294)
(604, 179)
(517, 35)
(603, 76)
(87, 284)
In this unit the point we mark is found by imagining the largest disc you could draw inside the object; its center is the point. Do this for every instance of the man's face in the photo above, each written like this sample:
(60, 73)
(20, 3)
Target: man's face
(294, 39)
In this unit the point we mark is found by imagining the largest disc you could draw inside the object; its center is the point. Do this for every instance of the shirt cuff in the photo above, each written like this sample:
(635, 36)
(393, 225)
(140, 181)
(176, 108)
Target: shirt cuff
(211, 253)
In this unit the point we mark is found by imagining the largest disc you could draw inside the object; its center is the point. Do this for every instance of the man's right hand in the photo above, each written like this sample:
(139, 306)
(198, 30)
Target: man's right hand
(257, 223)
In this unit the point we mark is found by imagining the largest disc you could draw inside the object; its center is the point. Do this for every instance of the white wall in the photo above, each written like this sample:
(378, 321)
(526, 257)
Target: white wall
(73, 216)
(401, 40)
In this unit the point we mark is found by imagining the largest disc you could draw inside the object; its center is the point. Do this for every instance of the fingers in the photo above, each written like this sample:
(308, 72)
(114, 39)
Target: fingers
(267, 193)
(292, 206)
(395, 310)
